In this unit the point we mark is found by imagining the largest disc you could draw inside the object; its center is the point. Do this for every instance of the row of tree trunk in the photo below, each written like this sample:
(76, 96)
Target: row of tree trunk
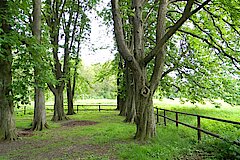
(7, 120)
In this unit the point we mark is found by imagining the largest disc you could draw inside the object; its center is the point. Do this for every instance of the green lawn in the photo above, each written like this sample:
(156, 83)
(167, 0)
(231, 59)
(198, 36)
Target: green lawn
(111, 138)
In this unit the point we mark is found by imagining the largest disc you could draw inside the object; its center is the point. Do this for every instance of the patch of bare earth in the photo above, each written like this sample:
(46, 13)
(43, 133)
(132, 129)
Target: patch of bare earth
(25, 133)
(76, 151)
(26, 148)
(78, 123)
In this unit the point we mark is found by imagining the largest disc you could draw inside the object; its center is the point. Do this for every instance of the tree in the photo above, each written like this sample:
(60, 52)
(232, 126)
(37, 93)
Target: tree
(7, 121)
(145, 87)
(54, 13)
(39, 120)
(65, 16)
(76, 28)
(167, 51)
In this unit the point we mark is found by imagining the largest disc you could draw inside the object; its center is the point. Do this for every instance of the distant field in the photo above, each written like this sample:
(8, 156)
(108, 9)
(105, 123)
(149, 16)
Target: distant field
(30, 108)
(165, 103)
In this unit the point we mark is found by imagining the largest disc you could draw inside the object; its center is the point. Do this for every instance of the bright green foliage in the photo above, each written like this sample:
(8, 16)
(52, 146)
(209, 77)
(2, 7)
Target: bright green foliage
(24, 62)
(22, 42)
(97, 82)
(204, 56)
(202, 60)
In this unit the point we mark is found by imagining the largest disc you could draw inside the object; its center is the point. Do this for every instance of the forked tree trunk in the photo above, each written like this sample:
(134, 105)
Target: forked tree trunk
(7, 120)
(56, 11)
(58, 106)
(145, 120)
(138, 62)
(39, 119)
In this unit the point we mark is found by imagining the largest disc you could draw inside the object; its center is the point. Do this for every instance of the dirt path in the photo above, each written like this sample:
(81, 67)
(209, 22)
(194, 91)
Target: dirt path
(54, 148)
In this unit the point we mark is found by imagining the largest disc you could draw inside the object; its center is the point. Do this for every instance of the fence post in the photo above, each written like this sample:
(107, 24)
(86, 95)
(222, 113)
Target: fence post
(199, 127)
(157, 116)
(99, 108)
(25, 110)
(164, 115)
(177, 119)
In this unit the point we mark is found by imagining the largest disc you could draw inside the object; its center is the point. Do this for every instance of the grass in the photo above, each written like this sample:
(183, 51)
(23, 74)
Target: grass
(111, 138)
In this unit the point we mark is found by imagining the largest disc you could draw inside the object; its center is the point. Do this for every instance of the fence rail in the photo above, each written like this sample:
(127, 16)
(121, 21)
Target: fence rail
(77, 107)
(198, 127)
(92, 105)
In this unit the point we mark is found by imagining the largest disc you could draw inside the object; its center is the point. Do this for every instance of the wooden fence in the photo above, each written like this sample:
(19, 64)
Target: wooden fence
(99, 107)
(78, 107)
(198, 127)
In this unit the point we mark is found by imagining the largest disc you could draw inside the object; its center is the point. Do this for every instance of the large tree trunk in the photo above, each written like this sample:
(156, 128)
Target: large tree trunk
(7, 121)
(58, 105)
(39, 119)
(145, 120)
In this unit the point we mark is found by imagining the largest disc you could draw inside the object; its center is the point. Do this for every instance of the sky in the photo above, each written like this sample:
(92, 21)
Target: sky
(100, 47)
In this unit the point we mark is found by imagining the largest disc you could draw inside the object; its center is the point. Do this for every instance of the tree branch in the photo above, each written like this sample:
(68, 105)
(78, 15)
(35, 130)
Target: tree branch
(185, 16)
(122, 47)
(216, 46)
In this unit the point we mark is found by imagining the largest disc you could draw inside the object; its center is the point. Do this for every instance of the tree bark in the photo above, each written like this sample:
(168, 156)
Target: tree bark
(146, 127)
(130, 98)
(120, 81)
(145, 120)
(58, 105)
(39, 119)
(123, 95)
(70, 98)
(7, 120)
